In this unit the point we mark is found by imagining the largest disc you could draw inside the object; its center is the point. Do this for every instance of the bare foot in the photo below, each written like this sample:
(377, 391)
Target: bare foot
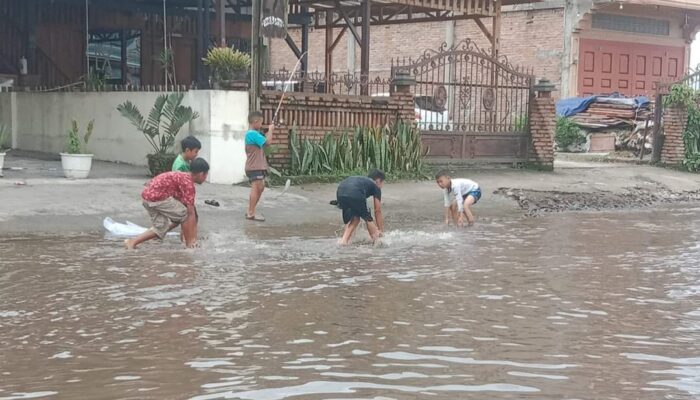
(129, 244)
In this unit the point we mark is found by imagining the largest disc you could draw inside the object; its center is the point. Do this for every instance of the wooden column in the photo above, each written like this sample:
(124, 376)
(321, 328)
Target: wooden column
(30, 37)
(496, 32)
(123, 42)
(221, 11)
(364, 51)
(304, 44)
(255, 49)
(329, 50)
(199, 53)
(206, 42)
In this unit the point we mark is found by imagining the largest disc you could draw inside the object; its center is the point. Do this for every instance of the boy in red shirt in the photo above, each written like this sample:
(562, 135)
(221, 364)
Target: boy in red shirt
(169, 200)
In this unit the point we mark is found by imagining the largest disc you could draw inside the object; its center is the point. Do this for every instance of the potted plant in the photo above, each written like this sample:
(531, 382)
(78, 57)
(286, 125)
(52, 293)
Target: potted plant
(229, 68)
(4, 134)
(76, 161)
(164, 122)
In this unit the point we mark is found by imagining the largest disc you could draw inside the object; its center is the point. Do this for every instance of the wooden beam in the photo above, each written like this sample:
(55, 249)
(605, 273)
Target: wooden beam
(206, 38)
(412, 16)
(199, 53)
(484, 30)
(329, 50)
(305, 45)
(364, 51)
(340, 36)
(496, 39)
(350, 25)
(255, 50)
(221, 11)
(293, 46)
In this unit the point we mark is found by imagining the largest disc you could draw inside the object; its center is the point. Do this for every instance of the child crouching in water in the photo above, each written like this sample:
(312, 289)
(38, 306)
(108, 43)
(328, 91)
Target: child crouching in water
(460, 195)
(169, 200)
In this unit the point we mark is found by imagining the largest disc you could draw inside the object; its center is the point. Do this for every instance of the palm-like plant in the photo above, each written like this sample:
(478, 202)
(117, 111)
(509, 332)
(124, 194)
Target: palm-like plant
(164, 122)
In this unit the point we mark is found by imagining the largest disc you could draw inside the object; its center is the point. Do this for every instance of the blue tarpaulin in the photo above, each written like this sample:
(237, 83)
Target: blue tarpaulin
(575, 105)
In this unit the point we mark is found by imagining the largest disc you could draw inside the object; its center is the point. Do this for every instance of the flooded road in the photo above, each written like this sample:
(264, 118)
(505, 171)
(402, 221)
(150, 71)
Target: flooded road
(570, 306)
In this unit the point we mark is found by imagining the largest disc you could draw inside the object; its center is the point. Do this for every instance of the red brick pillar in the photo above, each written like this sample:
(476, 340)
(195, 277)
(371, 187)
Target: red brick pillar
(543, 120)
(401, 85)
(675, 121)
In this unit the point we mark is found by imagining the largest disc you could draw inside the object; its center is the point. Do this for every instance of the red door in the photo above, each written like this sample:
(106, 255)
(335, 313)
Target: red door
(629, 68)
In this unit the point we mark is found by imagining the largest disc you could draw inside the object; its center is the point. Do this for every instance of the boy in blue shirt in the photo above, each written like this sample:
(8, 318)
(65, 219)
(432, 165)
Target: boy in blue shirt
(256, 166)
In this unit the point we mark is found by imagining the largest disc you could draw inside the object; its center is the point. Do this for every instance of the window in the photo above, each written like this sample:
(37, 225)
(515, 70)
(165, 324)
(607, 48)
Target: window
(240, 44)
(116, 56)
(625, 23)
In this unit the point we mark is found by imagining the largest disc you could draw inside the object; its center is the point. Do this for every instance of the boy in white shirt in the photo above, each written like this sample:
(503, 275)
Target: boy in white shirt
(460, 195)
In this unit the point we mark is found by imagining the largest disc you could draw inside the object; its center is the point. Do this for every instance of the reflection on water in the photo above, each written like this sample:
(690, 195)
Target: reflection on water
(562, 307)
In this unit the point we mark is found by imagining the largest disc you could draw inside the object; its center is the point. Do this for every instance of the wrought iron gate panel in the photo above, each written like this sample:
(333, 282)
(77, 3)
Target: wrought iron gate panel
(469, 104)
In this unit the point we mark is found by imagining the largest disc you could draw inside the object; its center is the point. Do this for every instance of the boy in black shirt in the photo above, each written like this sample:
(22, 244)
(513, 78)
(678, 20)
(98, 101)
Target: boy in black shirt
(352, 196)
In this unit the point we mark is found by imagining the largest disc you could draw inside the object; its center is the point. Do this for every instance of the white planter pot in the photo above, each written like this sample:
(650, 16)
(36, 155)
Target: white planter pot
(76, 166)
(2, 162)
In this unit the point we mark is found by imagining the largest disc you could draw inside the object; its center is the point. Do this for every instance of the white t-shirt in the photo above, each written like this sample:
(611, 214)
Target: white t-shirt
(460, 187)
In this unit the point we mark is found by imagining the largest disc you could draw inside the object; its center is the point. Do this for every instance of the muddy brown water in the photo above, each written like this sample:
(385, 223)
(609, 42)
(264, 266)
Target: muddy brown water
(569, 306)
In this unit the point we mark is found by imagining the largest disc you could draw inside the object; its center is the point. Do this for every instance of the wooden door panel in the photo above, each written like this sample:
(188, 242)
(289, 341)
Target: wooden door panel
(629, 68)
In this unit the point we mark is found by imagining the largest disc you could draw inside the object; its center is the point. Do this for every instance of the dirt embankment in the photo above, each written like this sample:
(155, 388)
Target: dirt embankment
(539, 202)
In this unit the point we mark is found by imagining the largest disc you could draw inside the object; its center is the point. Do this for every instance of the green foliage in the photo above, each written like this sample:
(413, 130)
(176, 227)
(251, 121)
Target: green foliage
(681, 96)
(521, 123)
(4, 134)
(691, 139)
(393, 148)
(568, 134)
(687, 97)
(75, 144)
(164, 122)
(226, 62)
(95, 80)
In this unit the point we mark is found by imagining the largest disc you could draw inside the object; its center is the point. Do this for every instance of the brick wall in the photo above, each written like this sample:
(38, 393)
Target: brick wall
(314, 115)
(528, 38)
(542, 126)
(675, 121)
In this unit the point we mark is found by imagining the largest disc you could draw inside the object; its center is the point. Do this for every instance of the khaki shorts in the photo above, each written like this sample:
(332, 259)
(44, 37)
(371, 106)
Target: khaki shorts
(164, 213)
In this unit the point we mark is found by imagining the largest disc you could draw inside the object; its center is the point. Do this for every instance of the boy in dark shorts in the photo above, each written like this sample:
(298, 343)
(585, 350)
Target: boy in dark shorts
(352, 196)
(169, 200)
(256, 166)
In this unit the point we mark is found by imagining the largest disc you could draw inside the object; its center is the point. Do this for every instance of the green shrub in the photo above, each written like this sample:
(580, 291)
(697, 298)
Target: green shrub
(687, 97)
(225, 63)
(393, 148)
(75, 144)
(568, 134)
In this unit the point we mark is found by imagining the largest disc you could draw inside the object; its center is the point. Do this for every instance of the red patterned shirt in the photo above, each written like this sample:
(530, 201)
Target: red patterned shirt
(178, 185)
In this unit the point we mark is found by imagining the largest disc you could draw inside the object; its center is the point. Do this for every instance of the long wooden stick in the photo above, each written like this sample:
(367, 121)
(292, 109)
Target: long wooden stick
(284, 89)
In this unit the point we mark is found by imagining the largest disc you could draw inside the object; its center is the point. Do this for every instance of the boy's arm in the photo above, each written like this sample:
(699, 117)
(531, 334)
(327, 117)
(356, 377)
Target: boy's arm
(459, 199)
(446, 195)
(189, 228)
(270, 134)
(378, 214)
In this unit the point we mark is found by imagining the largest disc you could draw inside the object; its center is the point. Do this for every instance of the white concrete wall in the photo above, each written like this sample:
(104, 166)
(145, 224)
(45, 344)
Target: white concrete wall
(42, 119)
(225, 118)
(7, 112)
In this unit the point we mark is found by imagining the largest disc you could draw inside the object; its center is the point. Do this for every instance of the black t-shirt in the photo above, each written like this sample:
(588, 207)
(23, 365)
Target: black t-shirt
(358, 187)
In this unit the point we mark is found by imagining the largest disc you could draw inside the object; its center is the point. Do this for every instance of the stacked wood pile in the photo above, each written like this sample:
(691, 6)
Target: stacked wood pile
(605, 115)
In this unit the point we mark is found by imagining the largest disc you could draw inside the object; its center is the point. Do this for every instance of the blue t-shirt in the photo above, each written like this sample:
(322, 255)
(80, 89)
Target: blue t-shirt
(254, 138)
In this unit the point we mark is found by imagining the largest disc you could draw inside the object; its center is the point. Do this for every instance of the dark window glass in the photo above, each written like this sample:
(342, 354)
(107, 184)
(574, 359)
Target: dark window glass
(116, 56)
(625, 23)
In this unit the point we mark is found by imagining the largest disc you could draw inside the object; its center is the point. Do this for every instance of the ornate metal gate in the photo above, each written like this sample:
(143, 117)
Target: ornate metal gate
(470, 105)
